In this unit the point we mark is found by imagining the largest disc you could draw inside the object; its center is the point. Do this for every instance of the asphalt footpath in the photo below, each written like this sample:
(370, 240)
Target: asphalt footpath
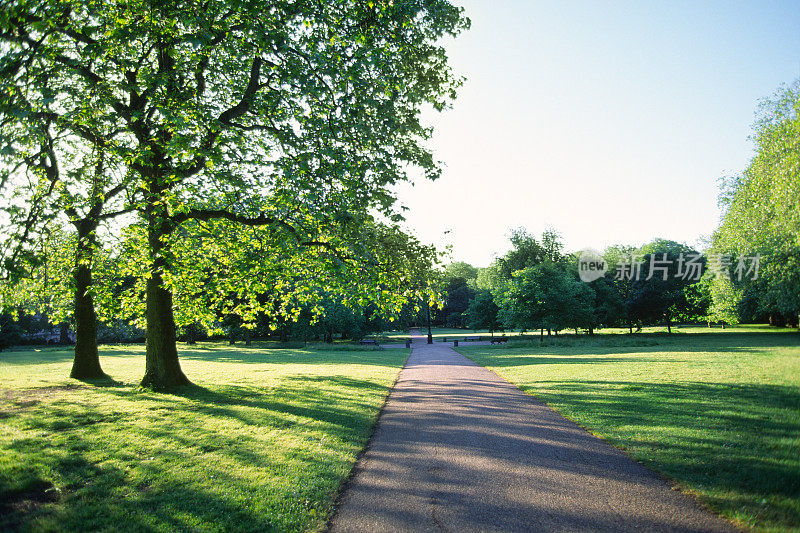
(457, 448)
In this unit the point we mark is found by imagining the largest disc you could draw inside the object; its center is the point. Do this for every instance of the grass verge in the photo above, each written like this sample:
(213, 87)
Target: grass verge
(718, 413)
(263, 443)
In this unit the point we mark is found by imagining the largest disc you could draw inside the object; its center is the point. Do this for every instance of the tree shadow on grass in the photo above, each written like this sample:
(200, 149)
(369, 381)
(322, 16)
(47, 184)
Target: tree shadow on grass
(296, 356)
(723, 437)
(327, 399)
(96, 496)
(585, 351)
(103, 382)
(180, 460)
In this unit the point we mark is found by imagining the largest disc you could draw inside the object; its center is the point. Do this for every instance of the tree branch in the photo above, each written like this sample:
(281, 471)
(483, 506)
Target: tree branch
(247, 98)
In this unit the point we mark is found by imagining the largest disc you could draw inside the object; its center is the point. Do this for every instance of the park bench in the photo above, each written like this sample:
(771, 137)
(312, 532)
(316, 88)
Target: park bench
(498, 340)
(369, 342)
(474, 339)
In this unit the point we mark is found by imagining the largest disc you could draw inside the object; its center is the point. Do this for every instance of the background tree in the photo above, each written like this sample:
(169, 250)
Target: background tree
(482, 312)
(616, 256)
(463, 270)
(607, 306)
(526, 252)
(457, 295)
(660, 293)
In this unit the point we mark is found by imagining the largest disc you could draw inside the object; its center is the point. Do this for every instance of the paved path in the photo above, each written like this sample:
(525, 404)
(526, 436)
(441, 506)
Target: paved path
(459, 449)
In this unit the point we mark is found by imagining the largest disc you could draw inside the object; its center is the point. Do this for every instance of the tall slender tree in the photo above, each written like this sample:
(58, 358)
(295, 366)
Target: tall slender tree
(49, 178)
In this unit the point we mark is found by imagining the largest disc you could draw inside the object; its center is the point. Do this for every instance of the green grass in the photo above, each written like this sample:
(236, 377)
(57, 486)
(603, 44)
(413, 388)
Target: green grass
(717, 412)
(263, 443)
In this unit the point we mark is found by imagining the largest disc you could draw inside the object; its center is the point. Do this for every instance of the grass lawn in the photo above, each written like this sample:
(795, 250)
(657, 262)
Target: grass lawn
(717, 412)
(263, 443)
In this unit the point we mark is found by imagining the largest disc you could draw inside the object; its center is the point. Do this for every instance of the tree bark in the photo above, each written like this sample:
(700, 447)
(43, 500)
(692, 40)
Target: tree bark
(162, 369)
(86, 364)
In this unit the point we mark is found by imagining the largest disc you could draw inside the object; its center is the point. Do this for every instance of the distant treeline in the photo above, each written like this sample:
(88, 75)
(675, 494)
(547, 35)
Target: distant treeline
(537, 286)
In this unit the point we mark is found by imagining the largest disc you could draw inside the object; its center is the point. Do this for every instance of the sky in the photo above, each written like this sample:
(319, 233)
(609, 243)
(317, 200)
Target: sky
(610, 122)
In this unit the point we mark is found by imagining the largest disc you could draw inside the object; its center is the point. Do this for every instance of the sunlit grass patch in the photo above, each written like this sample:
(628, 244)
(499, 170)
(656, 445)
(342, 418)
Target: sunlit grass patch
(718, 413)
(262, 443)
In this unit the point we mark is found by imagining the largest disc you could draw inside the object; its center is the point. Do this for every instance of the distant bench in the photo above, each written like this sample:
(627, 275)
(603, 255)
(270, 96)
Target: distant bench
(369, 342)
(498, 340)
(473, 339)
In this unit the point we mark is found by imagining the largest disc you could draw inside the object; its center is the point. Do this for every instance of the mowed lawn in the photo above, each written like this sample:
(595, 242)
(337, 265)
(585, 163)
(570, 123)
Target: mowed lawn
(263, 443)
(718, 412)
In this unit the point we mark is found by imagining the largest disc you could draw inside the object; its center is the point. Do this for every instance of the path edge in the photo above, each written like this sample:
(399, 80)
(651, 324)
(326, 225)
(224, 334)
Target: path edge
(357, 465)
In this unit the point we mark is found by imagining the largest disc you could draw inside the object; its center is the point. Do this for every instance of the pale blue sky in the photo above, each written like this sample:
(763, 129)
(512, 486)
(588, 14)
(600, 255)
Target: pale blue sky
(608, 121)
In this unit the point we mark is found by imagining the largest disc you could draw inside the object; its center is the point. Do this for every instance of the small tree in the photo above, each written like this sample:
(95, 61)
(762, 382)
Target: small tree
(482, 312)
(546, 296)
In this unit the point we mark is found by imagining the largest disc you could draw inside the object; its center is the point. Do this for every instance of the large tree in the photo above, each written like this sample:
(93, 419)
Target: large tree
(290, 115)
(761, 217)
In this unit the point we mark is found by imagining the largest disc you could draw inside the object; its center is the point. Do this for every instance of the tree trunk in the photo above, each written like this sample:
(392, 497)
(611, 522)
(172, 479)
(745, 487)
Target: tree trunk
(669, 325)
(247, 337)
(591, 331)
(541, 335)
(86, 364)
(162, 369)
